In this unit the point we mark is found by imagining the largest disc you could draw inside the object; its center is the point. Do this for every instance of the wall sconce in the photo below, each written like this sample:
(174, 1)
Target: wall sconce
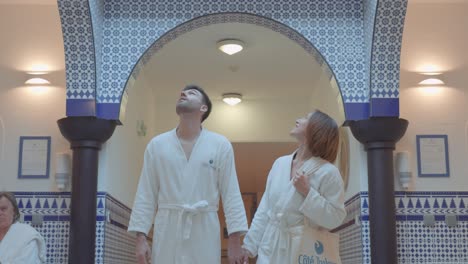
(230, 46)
(232, 98)
(403, 168)
(63, 170)
(431, 82)
(37, 81)
(431, 79)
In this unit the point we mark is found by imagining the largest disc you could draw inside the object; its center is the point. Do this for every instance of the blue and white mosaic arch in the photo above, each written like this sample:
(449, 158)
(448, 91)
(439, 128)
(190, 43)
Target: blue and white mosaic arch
(238, 18)
(128, 29)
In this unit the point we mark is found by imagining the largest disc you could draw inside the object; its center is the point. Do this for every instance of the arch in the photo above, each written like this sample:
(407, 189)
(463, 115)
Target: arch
(232, 17)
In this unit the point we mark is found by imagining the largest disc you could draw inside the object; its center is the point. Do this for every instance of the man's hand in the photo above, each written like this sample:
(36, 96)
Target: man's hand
(235, 253)
(142, 251)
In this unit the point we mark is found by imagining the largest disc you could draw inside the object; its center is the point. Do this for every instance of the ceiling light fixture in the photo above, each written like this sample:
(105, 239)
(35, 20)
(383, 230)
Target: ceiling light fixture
(232, 98)
(230, 46)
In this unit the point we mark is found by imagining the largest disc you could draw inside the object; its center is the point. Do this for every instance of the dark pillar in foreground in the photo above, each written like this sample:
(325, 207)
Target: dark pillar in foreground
(379, 136)
(85, 134)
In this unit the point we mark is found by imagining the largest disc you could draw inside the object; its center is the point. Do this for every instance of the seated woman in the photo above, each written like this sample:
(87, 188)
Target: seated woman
(304, 190)
(19, 243)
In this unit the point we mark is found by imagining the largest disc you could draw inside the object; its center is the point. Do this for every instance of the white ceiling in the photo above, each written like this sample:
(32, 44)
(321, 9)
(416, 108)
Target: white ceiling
(271, 66)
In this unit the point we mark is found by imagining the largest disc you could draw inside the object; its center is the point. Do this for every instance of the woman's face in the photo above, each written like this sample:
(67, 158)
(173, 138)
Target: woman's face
(298, 132)
(7, 213)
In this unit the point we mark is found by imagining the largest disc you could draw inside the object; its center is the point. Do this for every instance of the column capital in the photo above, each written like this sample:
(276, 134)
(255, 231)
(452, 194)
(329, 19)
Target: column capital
(387, 130)
(86, 131)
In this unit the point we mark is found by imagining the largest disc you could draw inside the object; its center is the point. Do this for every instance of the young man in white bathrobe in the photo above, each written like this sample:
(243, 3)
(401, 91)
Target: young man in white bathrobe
(185, 172)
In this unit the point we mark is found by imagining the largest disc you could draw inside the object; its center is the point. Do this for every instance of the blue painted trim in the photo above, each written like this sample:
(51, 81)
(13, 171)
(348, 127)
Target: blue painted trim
(438, 218)
(356, 111)
(418, 147)
(81, 107)
(20, 162)
(109, 111)
(61, 218)
(383, 107)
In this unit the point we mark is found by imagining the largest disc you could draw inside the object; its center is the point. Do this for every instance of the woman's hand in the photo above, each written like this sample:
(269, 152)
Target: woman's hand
(301, 182)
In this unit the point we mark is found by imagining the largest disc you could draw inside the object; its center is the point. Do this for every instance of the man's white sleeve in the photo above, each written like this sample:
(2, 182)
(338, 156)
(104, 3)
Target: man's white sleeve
(146, 198)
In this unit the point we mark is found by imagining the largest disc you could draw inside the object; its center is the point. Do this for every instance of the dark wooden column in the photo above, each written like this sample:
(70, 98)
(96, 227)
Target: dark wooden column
(379, 136)
(85, 134)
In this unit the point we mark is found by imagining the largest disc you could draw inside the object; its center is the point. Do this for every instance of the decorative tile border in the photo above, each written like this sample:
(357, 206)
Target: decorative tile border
(418, 243)
(55, 210)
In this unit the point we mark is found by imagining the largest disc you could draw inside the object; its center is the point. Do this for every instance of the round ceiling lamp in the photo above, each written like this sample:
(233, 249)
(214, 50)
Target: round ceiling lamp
(232, 98)
(230, 46)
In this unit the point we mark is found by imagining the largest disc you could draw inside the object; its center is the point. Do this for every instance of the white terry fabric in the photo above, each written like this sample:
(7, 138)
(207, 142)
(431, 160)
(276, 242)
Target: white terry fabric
(184, 194)
(278, 224)
(22, 244)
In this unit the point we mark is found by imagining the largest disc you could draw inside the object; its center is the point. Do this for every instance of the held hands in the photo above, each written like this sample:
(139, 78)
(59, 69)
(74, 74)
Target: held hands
(301, 182)
(236, 254)
(142, 251)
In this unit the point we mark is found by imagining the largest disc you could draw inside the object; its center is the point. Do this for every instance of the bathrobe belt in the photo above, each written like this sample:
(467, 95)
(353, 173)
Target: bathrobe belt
(190, 211)
(285, 232)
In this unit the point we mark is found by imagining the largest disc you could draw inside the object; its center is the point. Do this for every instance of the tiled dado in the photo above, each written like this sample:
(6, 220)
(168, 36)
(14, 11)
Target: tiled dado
(113, 243)
(417, 243)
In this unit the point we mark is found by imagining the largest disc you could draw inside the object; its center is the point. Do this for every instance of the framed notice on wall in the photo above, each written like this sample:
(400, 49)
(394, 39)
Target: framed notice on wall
(433, 156)
(34, 157)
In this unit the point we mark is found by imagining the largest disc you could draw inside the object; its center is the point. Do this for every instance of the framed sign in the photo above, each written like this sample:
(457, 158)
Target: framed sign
(34, 157)
(433, 156)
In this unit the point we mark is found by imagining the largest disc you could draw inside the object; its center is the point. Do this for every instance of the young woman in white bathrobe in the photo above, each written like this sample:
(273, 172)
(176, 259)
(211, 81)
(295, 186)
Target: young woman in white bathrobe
(304, 190)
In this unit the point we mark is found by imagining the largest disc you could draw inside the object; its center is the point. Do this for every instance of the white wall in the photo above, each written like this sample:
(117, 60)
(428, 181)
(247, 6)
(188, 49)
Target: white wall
(435, 39)
(121, 157)
(31, 40)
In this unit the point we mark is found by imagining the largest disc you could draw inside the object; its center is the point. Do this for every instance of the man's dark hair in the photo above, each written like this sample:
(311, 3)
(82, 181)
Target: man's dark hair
(206, 99)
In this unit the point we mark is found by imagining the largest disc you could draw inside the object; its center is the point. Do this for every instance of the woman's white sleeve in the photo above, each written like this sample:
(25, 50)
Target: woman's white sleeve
(325, 207)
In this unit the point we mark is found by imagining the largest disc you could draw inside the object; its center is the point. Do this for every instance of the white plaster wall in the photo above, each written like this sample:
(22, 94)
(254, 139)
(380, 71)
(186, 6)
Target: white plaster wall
(435, 38)
(31, 39)
(121, 157)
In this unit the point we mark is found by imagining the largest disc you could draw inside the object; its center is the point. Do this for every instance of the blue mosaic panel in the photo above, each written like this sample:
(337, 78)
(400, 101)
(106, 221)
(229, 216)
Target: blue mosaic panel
(79, 48)
(54, 207)
(385, 64)
(97, 17)
(370, 7)
(335, 28)
(417, 243)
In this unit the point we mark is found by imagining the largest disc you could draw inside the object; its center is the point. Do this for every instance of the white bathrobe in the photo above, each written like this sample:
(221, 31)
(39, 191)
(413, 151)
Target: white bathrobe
(185, 194)
(22, 244)
(275, 233)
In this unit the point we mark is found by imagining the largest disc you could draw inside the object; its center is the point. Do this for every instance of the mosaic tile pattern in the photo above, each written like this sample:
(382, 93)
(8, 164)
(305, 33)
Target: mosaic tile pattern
(421, 244)
(370, 7)
(123, 31)
(79, 48)
(55, 209)
(334, 27)
(97, 18)
(386, 46)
